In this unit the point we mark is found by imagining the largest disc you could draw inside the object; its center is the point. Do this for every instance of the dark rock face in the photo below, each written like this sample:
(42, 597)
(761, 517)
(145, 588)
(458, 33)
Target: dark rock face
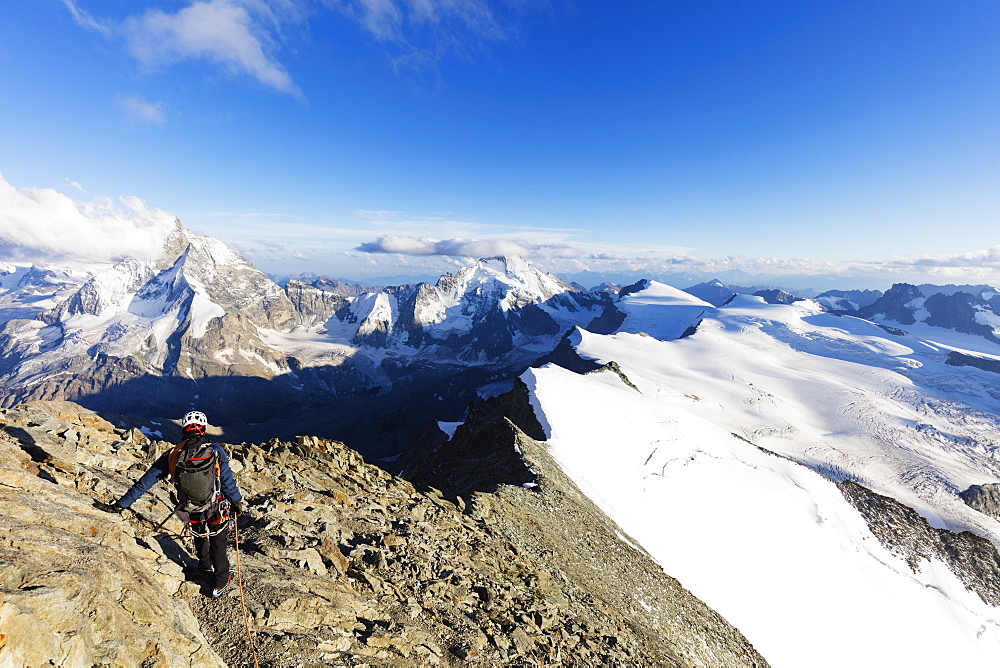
(958, 312)
(638, 286)
(565, 355)
(861, 298)
(776, 296)
(961, 359)
(714, 292)
(314, 304)
(994, 303)
(903, 531)
(984, 498)
(462, 465)
(608, 322)
(893, 304)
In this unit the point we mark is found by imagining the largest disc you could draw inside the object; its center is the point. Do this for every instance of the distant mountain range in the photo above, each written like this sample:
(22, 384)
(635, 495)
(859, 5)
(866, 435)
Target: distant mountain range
(967, 309)
(200, 325)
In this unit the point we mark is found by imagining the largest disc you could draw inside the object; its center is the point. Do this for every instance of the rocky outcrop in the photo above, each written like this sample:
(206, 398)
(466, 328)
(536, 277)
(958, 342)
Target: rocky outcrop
(776, 296)
(315, 305)
(894, 304)
(566, 356)
(956, 358)
(903, 531)
(960, 312)
(341, 563)
(80, 587)
(984, 498)
(497, 464)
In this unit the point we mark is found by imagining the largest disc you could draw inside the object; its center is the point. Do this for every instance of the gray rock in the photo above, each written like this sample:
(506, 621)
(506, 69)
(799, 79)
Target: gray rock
(984, 498)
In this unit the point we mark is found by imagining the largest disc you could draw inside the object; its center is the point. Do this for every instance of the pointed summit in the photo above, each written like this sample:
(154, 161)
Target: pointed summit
(496, 307)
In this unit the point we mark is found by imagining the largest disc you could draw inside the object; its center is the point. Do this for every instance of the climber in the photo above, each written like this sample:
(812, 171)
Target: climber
(206, 492)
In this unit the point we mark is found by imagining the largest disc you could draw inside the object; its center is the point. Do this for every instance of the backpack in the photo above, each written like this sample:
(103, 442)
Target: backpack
(195, 471)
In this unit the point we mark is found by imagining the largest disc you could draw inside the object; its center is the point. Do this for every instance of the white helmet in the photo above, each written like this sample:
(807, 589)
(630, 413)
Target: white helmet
(195, 417)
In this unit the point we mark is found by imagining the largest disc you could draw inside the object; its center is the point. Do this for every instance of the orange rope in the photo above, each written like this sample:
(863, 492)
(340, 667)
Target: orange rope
(239, 581)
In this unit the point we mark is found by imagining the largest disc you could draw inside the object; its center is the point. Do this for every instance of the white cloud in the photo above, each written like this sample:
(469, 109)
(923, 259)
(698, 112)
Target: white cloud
(222, 31)
(70, 182)
(984, 258)
(85, 20)
(299, 255)
(140, 110)
(41, 224)
(239, 35)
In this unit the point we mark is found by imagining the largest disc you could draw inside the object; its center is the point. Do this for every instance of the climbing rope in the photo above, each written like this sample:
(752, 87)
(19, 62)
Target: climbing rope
(239, 582)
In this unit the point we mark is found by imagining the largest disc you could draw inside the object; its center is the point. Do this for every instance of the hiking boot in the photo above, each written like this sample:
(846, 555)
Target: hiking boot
(217, 592)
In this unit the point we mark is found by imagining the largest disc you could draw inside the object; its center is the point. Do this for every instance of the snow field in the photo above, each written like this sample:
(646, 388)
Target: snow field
(771, 545)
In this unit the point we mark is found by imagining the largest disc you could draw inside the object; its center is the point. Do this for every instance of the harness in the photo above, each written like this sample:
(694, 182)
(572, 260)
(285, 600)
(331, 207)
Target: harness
(195, 469)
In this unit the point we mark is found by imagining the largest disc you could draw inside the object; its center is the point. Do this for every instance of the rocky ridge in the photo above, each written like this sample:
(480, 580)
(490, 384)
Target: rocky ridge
(342, 564)
(496, 460)
(902, 530)
(961, 311)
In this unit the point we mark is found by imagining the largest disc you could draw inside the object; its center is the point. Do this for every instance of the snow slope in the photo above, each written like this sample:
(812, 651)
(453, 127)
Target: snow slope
(770, 543)
(661, 311)
(27, 290)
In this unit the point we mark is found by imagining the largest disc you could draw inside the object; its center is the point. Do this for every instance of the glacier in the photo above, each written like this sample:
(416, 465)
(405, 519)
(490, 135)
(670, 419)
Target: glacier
(722, 460)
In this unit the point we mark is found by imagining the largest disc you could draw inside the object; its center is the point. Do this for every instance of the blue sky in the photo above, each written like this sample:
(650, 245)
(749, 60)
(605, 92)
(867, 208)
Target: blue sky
(363, 138)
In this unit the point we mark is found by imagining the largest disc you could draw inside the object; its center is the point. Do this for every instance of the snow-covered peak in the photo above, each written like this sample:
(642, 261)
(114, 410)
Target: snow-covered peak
(481, 313)
(194, 281)
(661, 293)
(661, 311)
(511, 280)
(109, 291)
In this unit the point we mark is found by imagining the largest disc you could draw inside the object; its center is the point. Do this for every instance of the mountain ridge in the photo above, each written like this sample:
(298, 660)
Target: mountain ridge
(342, 564)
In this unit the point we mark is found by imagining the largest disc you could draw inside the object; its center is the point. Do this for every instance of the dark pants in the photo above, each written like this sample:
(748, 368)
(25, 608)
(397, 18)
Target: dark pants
(212, 552)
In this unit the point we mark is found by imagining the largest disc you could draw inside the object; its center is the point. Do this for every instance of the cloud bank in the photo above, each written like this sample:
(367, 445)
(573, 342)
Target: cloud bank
(560, 258)
(473, 248)
(41, 224)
